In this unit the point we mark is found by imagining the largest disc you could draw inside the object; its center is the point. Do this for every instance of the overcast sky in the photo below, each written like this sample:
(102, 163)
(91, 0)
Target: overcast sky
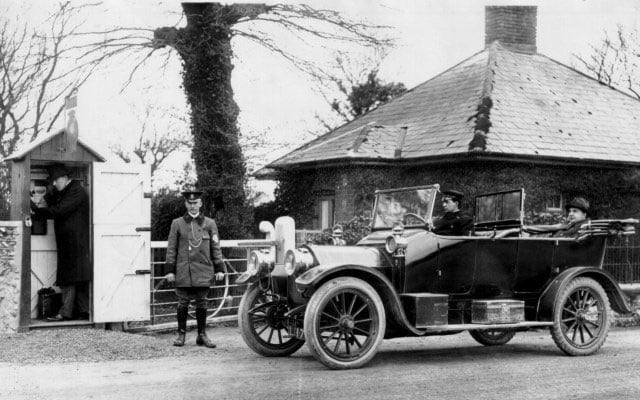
(431, 37)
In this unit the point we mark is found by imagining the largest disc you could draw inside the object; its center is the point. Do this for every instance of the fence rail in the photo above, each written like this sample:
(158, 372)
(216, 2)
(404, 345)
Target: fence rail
(223, 298)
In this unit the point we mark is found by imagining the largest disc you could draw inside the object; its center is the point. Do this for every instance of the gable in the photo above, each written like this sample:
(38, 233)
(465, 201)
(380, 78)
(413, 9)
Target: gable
(53, 147)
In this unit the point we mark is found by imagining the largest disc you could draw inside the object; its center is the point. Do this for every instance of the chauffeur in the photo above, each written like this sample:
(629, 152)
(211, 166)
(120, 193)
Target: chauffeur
(193, 260)
(453, 222)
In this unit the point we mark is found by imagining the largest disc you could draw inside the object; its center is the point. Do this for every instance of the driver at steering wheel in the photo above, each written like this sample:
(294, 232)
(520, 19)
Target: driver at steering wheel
(454, 222)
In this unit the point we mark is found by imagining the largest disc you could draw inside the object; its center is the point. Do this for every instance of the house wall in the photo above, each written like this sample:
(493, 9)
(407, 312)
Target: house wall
(612, 192)
(10, 270)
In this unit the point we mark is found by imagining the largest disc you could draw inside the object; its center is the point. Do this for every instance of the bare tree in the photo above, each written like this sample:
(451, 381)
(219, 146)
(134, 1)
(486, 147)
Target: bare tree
(161, 134)
(615, 60)
(37, 70)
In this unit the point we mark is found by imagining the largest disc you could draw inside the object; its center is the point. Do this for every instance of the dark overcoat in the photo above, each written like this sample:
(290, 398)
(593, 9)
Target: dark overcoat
(193, 251)
(69, 209)
(453, 224)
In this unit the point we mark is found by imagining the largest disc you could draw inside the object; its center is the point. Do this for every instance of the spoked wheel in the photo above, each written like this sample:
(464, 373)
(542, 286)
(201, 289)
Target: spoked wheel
(581, 317)
(495, 337)
(344, 323)
(263, 325)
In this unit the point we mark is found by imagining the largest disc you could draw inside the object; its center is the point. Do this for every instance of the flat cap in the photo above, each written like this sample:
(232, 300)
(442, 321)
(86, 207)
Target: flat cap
(58, 170)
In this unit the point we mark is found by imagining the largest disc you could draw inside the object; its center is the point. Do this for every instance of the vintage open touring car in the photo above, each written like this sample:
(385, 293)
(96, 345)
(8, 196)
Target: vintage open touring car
(404, 280)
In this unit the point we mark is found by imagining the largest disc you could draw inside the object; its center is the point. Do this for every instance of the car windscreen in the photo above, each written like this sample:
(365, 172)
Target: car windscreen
(412, 207)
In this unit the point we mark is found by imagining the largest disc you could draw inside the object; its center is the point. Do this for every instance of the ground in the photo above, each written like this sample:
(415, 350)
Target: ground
(439, 367)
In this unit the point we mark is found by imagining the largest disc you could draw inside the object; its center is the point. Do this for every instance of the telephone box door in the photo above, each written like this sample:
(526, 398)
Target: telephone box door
(121, 221)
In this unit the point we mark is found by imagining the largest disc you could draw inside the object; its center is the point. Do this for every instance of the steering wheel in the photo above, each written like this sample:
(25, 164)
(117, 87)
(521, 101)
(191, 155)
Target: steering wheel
(416, 216)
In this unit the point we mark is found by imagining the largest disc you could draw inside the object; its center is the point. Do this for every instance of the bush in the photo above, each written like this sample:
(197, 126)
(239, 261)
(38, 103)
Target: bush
(166, 206)
(352, 231)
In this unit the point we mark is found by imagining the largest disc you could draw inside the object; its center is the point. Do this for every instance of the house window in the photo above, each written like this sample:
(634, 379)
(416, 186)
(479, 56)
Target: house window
(324, 212)
(554, 203)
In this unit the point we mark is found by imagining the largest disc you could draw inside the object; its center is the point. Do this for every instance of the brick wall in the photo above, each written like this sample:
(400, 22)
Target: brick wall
(513, 26)
(10, 269)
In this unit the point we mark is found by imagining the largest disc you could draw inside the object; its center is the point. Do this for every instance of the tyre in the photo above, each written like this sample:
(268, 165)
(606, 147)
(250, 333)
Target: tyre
(263, 326)
(344, 323)
(495, 337)
(581, 317)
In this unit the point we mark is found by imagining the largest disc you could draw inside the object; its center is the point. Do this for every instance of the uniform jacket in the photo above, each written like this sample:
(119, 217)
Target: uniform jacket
(193, 251)
(69, 209)
(453, 224)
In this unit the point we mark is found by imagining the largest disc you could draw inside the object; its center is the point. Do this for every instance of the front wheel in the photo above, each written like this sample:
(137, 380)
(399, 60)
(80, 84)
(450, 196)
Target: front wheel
(581, 317)
(495, 337)
(344, 323)
(262, 323)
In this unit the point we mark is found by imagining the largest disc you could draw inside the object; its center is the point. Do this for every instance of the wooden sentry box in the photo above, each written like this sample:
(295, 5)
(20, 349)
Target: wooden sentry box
(502, 311)
(426, 309)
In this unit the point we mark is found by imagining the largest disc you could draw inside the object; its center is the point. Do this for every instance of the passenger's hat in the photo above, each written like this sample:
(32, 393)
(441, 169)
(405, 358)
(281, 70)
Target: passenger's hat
(578, 202)
(58, 170)
(452, 194)
(192, 195)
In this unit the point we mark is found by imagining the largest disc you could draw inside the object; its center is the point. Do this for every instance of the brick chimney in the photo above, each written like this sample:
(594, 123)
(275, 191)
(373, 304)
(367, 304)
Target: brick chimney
(513, 26)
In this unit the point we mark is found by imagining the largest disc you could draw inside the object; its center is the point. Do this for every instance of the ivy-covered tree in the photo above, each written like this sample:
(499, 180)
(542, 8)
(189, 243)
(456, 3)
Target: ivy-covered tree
(204, 46)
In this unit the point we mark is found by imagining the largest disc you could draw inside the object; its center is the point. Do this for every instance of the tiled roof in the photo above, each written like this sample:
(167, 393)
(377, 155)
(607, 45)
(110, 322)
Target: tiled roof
(540, 108)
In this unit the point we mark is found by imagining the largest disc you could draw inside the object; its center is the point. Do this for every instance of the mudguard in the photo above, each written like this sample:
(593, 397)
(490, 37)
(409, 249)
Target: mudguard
(552, 290)
(392, 304)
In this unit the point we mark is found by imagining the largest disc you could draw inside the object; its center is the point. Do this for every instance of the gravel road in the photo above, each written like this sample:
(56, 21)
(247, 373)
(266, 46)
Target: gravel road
(447, 367)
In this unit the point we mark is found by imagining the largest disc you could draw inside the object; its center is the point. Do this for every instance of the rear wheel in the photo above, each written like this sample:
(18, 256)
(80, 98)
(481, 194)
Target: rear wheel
(496, 337)
(344, 323)
(263, 325)
(581, 317)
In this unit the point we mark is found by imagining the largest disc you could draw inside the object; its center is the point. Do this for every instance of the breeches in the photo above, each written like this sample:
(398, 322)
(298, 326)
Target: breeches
(197, 294)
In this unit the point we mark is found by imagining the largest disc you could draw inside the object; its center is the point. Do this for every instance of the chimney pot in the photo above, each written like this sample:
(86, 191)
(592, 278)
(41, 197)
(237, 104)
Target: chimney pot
(513, 26)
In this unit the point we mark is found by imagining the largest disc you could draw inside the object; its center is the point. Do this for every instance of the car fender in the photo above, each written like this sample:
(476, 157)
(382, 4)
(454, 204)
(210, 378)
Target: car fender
(313, 278)
(551, 292)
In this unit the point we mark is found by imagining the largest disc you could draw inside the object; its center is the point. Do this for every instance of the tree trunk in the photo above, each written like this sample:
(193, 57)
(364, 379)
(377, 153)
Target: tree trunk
(205, 47)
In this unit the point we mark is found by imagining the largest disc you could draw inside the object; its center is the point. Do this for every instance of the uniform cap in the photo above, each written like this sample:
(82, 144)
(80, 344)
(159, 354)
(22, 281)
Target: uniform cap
(192, 195)
(452, 194)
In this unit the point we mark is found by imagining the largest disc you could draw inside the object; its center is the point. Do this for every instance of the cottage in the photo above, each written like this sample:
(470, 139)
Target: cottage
(506, 117)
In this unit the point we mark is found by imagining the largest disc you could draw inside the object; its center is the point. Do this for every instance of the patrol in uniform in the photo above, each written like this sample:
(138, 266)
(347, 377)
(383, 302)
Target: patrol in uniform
(453, 222)
(193, 260)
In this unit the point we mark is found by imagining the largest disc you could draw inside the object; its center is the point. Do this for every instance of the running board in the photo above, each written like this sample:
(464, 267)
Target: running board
(470, 327)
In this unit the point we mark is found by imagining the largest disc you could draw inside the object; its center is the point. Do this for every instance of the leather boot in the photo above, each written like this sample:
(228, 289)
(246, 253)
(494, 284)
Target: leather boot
(182, 325)
(203, 339)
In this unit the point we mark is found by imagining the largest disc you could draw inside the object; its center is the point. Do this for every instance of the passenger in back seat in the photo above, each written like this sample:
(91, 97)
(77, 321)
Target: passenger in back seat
(577, 215)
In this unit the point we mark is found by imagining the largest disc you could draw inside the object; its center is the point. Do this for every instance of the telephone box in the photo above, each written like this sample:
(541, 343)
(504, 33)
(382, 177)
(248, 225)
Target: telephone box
(119, 196)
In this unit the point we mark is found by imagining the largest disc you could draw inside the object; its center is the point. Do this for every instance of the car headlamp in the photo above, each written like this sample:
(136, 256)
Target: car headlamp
(297, 261)
(395, 241)
(260, 262)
